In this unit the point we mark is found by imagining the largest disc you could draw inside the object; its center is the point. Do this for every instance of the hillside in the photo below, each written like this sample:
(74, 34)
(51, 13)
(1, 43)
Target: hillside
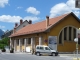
(1, 32)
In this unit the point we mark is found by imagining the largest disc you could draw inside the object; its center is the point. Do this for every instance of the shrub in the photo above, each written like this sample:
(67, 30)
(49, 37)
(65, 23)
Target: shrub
(3, 50)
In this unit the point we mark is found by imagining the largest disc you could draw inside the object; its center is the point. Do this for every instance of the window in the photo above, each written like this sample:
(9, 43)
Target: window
(23, 42)
(78, 40)
(29, 41)
(18, 42)
(60, 38)
(46, 48)
(74, 30)
(65, 33)
(41, 48)
(37, 47)
(69, 33)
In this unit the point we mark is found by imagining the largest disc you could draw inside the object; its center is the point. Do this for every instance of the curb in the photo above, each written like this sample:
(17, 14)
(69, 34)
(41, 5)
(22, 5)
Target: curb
(76, 59)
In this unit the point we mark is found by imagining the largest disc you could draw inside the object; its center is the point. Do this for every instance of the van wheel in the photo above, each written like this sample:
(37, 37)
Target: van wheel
(52, 54)
(38, 53)
(56, 54)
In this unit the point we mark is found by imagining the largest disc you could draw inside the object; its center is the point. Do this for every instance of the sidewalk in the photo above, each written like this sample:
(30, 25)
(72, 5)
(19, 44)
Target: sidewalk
(73, 55)
(14, 53)
(69, 54)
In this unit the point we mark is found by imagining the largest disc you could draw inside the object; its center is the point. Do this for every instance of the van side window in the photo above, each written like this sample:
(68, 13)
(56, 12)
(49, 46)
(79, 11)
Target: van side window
(41, 48)
(46, 48)
(37, 47)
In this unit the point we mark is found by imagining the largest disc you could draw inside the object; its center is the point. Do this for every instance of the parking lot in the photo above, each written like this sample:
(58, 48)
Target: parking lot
(24, 56)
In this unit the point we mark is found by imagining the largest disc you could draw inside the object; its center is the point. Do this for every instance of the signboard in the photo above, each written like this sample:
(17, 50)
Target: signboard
(77, 3)
(52, 42)
(78, 33)
(27, 49)
(78, 36)
(76, 39)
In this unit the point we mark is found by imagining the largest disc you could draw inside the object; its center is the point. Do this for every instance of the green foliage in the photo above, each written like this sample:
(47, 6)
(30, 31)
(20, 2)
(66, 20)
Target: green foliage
(3, 50)
(2, 46)
(4, 42)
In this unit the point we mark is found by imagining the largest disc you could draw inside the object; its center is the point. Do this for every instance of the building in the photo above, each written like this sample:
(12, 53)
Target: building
(22, 24)
(7, 33)
(17, 27)
(62, 27)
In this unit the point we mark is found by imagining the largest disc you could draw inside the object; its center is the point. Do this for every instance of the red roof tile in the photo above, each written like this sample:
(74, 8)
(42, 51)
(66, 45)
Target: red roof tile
(38, 27)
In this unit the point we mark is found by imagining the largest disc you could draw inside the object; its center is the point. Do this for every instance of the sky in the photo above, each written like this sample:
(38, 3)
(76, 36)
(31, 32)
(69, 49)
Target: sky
(11, 11)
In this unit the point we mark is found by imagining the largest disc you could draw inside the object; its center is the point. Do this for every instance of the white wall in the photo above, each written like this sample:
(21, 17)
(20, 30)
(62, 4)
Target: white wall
(22, 25)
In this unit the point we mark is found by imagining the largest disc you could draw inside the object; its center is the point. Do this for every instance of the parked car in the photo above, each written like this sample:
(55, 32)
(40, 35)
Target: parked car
(41, 50)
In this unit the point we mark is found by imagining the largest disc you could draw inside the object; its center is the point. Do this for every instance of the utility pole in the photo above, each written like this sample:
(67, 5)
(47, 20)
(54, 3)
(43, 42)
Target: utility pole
(76, 40)
(77, 5)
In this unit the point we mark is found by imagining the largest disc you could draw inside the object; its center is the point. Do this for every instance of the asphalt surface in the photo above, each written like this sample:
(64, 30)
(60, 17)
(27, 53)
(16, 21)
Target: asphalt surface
(27, 56)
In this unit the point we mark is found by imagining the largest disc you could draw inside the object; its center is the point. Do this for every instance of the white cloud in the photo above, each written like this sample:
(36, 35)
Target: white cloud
(3, 30)
(3, 3)
(77, 13)
(19, 7)
(13, 19)
(2, 26)
(8, 18)
(32, 10)
(63, 8)
(33, 18)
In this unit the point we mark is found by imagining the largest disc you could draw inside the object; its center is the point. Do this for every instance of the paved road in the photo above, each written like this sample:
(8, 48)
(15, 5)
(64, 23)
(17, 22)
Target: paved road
(13, 56)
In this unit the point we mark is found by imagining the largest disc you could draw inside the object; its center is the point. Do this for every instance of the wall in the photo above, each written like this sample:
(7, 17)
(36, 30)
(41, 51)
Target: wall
(67, 46)
(22, 25)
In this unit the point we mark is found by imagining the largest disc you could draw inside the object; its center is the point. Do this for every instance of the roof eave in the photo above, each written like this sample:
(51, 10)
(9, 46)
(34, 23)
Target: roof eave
(48, 29)
(28, 33)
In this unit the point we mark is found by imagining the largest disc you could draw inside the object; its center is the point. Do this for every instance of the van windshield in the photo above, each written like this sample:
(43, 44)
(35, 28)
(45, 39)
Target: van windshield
(50, 48)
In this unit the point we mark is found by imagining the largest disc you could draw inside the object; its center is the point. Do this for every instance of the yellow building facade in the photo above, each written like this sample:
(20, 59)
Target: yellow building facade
(63, 27)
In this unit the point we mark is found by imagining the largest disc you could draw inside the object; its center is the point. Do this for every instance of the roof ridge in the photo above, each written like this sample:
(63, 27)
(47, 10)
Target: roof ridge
(63, 14)
(39, 26)
(50, 18)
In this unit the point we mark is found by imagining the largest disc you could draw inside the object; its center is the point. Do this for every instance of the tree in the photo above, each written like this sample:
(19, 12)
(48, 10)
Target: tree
(4, 42)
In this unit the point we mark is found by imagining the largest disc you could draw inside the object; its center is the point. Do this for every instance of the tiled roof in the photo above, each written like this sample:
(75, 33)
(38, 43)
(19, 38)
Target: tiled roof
(38, 27)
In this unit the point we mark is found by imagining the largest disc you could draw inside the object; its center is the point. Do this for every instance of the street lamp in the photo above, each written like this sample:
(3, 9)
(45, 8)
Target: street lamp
(77, 5)
(76, 40)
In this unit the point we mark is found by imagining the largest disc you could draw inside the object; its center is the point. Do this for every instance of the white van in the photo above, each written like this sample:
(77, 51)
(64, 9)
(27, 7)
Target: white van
(41, 50)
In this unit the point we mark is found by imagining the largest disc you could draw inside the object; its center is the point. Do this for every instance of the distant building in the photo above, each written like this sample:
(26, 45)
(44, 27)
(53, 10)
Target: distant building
(22, 24)
(17, 27)
(7, 33)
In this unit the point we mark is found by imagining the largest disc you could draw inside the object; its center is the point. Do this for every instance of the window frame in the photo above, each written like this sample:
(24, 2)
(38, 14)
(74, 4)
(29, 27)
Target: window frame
(62, 32)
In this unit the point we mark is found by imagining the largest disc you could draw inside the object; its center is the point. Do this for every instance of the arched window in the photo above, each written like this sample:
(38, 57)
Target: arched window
(60, 38)
(70, 34)
(67, 34)
(74, 32)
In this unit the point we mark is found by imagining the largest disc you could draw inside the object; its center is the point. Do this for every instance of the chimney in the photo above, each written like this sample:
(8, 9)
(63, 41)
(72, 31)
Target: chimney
(30, 21)
(47, 21)
(16, 24)
(14, 30)
(21, 21)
